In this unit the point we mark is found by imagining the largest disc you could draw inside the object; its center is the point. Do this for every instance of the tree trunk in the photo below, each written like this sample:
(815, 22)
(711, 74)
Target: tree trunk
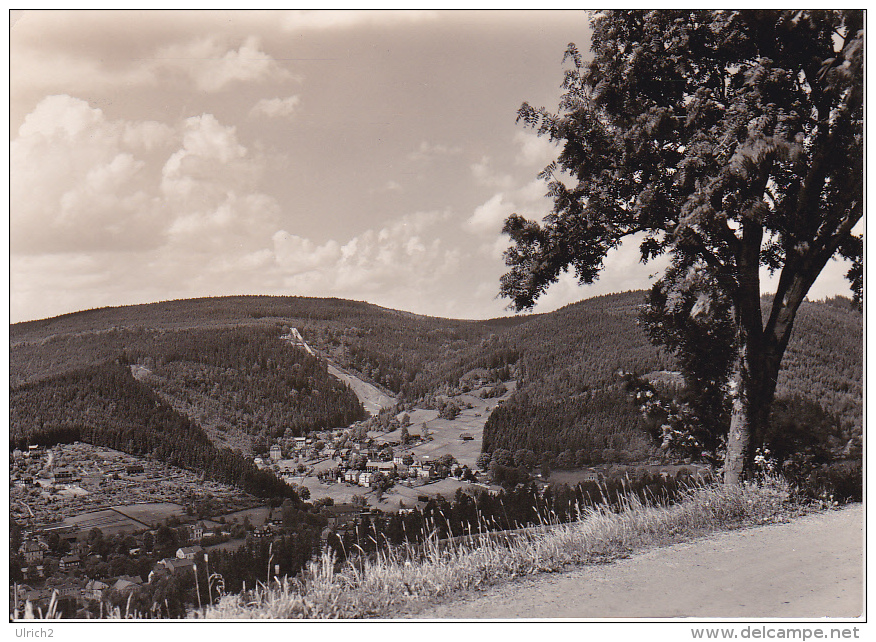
(753, 387)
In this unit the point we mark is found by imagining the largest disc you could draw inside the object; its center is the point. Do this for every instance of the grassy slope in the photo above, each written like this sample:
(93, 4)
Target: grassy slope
(393, 582)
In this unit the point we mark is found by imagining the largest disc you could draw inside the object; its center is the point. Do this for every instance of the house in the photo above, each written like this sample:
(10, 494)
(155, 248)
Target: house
(365, 478)
(63, 475)
(94, 590)
(32, 551)
(423, 471)
(386, 467)
(263, 532)
(184, 534)
(68, 589)
(189, 552)
(126, 583)
(175, 565)
(81, 547)
(69, 562)
(276, 516)
(168, 566)
(590, 476)
(276, 454)
(398, 460)
(300, 442)
(340, 515)
(352, 476)
(259, 462)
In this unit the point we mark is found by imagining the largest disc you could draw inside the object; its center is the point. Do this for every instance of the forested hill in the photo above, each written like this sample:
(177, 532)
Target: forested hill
(570, 400)
(220, 362)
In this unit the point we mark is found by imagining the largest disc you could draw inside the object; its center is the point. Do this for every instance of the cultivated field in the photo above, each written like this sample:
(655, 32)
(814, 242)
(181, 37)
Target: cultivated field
(257, 516)
(109, 521)
(153, 513)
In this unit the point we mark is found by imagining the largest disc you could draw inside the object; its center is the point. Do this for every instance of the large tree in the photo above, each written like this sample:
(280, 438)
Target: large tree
(729, 140)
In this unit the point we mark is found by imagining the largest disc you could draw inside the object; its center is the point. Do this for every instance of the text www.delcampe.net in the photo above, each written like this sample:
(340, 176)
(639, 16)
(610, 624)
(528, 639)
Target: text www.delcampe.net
(775, 633)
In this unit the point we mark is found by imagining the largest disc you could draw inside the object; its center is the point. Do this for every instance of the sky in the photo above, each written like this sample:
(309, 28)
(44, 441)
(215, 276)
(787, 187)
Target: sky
(363, 155)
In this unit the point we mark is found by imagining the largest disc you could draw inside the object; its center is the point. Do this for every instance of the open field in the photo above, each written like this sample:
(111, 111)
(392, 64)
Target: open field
(446, 487)
(445, 433)
(109, 521)
(257, 516)
(443, 438)
(152, 513)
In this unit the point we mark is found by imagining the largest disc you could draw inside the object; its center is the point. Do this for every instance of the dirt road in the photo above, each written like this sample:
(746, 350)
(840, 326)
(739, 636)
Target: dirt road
(811, 567)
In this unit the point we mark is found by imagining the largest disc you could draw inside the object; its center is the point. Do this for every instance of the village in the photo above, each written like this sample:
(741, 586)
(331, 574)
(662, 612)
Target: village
(92, 519)
(95, 521)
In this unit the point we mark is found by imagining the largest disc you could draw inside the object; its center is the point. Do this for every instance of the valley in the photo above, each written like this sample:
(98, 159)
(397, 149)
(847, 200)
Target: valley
(246, 425)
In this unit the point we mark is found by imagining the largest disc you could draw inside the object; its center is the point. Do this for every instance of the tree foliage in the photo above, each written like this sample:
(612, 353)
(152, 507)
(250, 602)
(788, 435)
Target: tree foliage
(731, 140)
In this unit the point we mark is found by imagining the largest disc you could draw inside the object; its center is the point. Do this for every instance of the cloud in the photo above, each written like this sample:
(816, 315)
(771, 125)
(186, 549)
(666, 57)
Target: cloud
(211, 185)
(489, 217)
(387, 187)
(427, 151)
(306, 20)
(212, 67)
(296, 255)
(276, 107)
(81, 182)
(484, 175)
(538, 151)
(403, 260)
(114, 52)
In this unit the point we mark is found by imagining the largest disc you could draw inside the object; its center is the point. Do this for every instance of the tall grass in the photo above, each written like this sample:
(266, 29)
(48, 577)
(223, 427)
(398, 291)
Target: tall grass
(395, 579)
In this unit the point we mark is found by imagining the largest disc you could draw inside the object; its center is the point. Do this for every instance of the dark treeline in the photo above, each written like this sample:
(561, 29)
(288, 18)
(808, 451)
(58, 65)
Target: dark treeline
(105, 406)
(603, 423)
(252, 379)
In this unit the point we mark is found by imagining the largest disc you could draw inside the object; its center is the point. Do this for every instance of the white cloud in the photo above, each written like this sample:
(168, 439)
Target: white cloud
(80, 182)
(538, 151)
(489, 217)
(404, 259)
(212, 67)
(325, 20)
(296, 254)
(484, 175)
(276, 107)
(33, 69)
(83, 183)
(427, 151)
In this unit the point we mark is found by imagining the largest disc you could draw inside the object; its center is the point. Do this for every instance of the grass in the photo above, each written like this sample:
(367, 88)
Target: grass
(394, 582)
